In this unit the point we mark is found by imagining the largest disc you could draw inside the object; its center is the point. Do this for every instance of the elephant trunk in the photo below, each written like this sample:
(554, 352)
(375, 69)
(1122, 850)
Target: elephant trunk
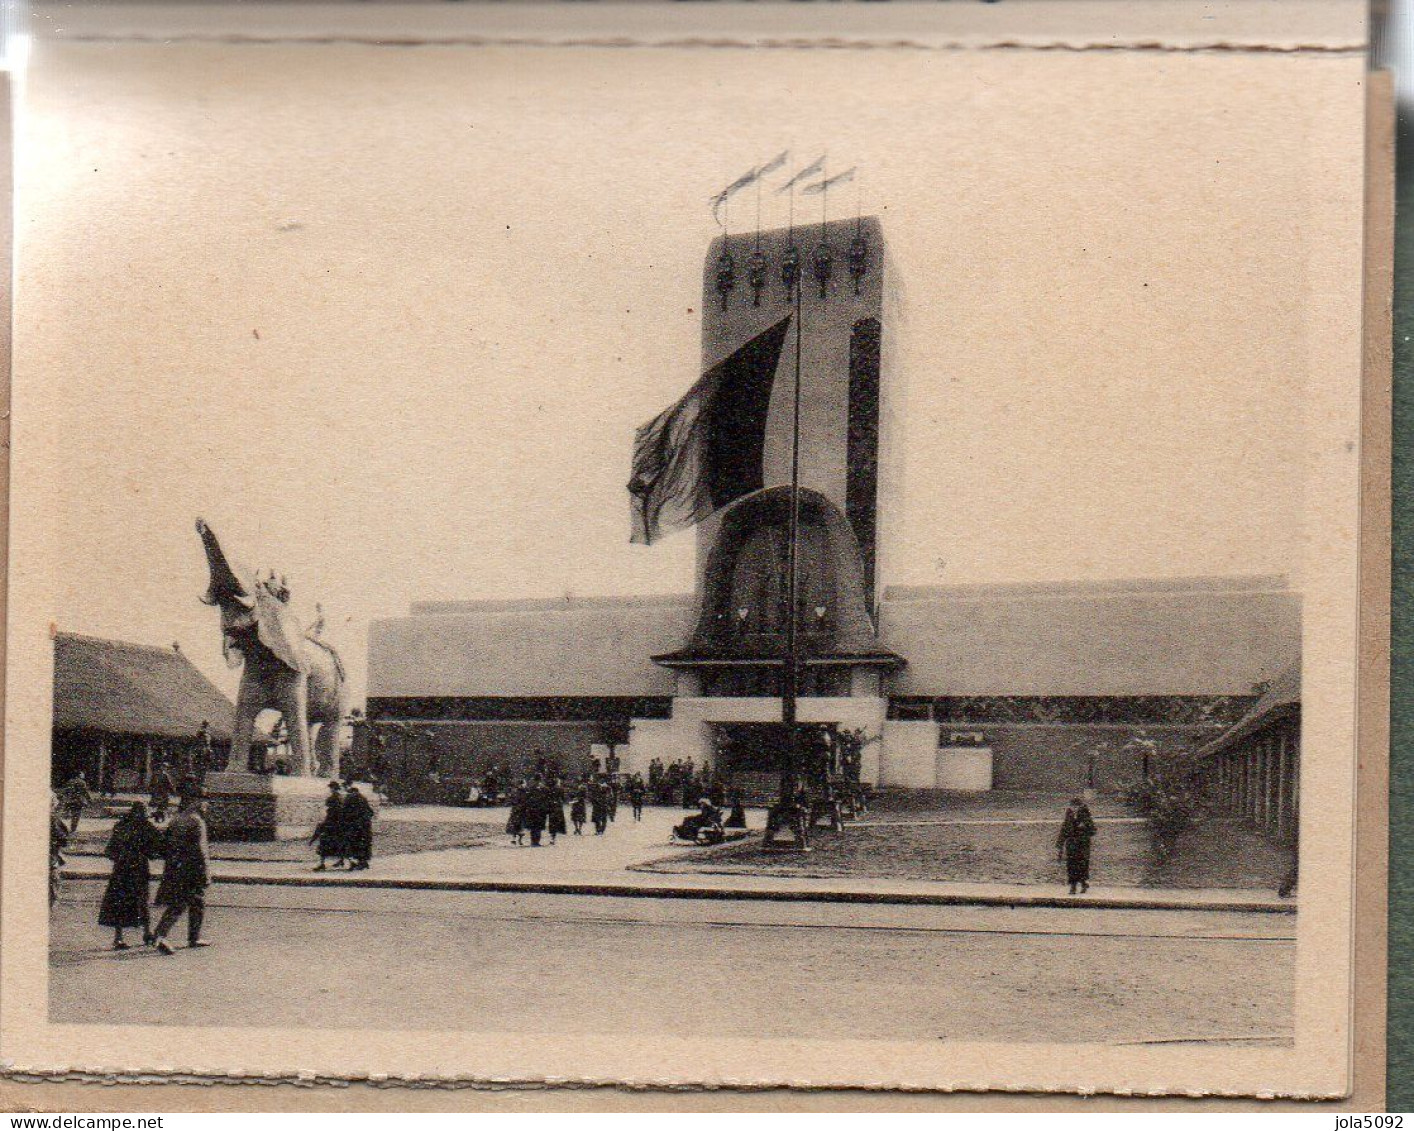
(226, 587)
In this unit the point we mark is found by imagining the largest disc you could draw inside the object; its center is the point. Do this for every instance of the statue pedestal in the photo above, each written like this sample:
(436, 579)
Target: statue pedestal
(244, 806)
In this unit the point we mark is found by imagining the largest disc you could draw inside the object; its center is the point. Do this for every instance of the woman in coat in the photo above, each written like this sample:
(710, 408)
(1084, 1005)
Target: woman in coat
(134, 842)
(555, 795)
(515, 822)
(1073, 844)
(357, 820)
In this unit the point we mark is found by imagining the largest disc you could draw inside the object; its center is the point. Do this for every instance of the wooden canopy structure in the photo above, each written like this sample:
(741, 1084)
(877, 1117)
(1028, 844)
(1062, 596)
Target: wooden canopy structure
(121, 709)
(1253, 770)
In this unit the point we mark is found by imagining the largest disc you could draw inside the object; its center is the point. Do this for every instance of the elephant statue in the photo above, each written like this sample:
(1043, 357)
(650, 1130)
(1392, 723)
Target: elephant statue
(285, 668)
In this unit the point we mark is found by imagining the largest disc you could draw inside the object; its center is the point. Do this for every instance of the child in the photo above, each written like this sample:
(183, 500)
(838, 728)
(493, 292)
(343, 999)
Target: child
(577, 813)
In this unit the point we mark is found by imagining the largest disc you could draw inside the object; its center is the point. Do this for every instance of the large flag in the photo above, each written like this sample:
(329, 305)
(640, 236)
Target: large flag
(706, 450)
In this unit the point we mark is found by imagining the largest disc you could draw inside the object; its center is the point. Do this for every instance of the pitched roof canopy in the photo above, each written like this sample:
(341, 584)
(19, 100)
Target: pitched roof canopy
(1281, 700)
(122, 688)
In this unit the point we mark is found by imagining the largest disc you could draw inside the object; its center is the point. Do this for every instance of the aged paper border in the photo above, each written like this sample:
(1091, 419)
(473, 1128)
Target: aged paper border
(1373, 683)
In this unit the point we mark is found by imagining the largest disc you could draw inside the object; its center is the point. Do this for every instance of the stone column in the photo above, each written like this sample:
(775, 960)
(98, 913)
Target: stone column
(1283, 784)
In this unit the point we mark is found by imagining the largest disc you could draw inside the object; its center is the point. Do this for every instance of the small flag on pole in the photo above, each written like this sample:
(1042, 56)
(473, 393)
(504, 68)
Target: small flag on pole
(820, 186)
(731, 190)
(775, 163)
(750, 177)
(804, 175)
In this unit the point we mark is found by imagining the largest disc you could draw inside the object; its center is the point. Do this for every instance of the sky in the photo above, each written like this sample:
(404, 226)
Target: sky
(387, 318)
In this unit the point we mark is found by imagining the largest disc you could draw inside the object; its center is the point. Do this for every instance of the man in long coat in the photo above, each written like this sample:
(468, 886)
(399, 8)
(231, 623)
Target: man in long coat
(599, 806)
(186, 873)
(537, 811)
(1073, 844)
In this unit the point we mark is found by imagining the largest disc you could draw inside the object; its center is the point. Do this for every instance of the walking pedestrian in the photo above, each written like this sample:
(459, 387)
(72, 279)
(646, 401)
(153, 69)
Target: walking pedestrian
(356, 817)
(75, 797)
(330, 832)
(537, 811)
(160, 791)
(555, 798)
(1073, 844)
(515, 822)
(133, 844)
(577, 813)
(599, 807)
(635, 797)
(185, 874)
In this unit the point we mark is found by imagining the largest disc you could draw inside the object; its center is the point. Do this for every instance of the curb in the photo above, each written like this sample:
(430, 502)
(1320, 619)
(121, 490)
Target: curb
(644, 891)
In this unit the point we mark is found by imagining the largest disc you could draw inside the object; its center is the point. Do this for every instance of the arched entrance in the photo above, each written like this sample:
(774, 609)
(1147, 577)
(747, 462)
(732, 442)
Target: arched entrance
(728, 712)
(738, 646)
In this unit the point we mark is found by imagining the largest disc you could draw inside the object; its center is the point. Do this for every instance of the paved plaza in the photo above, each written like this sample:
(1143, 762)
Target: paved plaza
(639, 857)
(599, 933)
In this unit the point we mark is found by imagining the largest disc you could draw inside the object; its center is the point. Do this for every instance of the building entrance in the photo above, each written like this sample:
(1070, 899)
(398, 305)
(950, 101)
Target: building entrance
(750, 756)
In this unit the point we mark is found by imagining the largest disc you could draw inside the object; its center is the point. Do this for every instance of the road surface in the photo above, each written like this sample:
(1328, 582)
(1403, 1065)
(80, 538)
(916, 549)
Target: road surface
(405, 959)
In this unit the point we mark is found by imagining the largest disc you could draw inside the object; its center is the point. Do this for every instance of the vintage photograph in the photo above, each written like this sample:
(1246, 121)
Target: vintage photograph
(611, 553)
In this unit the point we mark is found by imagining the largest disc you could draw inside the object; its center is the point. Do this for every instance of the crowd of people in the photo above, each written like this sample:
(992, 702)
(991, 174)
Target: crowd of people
(684, 783)
(538, 800)
(537, 805)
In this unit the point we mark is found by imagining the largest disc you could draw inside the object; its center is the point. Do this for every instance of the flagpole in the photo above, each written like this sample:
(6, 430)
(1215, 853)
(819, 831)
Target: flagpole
(790, 683)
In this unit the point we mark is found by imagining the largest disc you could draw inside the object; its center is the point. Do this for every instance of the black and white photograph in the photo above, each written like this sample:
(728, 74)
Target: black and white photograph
(686, 563)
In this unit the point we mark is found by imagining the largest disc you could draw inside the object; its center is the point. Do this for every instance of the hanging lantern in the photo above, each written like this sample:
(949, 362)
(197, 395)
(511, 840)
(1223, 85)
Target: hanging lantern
(790, 270)
(824, 267)
(726, 276)
(756, 276)
(858, 257)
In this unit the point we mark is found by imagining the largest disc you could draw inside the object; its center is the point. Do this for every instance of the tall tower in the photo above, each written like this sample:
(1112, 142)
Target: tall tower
(748, 286)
